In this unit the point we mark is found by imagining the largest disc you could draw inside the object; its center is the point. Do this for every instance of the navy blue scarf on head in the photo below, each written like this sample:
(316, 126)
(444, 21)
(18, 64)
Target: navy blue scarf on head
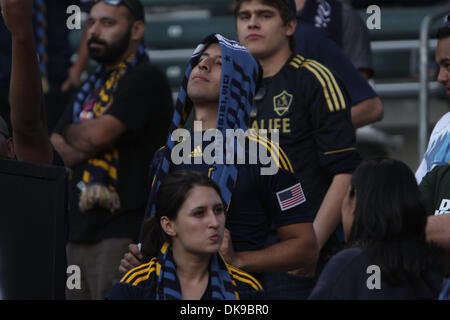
(238, 84)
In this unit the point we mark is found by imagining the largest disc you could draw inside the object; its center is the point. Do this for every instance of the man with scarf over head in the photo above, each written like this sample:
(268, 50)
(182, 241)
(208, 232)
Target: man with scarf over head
(219, 84)
(108, 136)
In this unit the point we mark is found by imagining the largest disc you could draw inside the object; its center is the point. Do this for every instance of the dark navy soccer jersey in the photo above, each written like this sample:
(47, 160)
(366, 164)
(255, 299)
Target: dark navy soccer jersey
(141, 283)
(255, 204)
(313, 44)
(310, 108)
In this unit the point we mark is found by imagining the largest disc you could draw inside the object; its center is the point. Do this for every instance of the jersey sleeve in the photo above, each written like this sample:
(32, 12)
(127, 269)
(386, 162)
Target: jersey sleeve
(427, 188)
(282, 195)
(329, 110)
(313, 44)
(143, 95)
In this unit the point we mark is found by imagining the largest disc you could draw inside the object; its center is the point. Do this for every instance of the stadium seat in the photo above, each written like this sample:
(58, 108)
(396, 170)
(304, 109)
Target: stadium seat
(166, 3)
(399, 23)
(186, 33)
(167, 35)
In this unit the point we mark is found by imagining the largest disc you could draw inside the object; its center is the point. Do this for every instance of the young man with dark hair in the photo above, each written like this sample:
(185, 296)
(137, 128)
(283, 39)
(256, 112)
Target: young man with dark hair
(310, 108)
(107, 137)
(441, 132)
(219, 86)
(435, 165)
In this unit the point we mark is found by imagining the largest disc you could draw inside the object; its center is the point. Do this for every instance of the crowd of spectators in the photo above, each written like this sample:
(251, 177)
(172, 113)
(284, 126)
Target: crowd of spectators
(141, 225)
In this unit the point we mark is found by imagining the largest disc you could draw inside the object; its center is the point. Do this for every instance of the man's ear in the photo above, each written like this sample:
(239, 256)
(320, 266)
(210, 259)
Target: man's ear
(168, 226)
(137, 31)
(290, 27)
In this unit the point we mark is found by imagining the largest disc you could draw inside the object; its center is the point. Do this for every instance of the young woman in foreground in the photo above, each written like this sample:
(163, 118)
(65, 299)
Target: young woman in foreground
(181, 244)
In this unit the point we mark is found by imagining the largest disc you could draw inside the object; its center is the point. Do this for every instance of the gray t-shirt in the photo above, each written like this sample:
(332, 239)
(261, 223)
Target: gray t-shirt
(355, 39)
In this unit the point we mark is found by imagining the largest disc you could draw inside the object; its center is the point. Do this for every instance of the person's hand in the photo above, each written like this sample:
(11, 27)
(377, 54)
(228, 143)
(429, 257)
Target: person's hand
(131, 259)
(73, 79)
(302, 273)
(226, 249)
(17, 15)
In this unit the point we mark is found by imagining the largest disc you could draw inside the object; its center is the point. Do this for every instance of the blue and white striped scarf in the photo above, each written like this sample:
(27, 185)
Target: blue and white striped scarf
(168, 284)
(238, 85)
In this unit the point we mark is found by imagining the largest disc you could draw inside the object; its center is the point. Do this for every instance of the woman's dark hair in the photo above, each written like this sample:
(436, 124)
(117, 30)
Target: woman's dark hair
(170, 197)
(390, 221)
(287, 13)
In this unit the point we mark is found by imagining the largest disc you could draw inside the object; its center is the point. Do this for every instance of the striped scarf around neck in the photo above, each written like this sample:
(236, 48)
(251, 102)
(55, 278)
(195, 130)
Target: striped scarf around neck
(99, 180)
(168, 284)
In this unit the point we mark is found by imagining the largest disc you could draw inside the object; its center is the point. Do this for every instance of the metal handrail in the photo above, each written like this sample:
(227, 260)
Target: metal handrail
(424, 89)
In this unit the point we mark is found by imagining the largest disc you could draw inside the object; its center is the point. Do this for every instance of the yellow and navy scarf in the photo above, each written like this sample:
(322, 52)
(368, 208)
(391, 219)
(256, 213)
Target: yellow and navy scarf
(168, 284)
(99, 181)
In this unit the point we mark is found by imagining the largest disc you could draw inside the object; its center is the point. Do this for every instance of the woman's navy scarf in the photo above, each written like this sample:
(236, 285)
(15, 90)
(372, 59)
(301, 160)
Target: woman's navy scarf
(168, 284)
(238, 85)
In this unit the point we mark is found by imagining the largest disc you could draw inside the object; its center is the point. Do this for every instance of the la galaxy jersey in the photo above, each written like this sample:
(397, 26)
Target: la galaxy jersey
(259, 202)
(311, 110)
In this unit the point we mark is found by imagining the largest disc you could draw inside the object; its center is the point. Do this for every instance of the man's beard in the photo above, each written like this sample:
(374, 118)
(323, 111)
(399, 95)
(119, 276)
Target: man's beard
(110, 53)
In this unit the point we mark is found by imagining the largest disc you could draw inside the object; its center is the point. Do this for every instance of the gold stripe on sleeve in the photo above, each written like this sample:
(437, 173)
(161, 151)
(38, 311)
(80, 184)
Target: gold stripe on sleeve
(333, 80)
(328, 82)
(325, 90)
(338, 151)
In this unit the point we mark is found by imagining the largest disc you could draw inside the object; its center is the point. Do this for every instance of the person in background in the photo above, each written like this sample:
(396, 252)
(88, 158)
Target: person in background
(310, 108)
(435, 188)
(29, 140)
(118, 119)
(219, 85)
(437, 156)
(313, 43)
(438, 150)
(51, 39)
(342, 24)
(384, 223)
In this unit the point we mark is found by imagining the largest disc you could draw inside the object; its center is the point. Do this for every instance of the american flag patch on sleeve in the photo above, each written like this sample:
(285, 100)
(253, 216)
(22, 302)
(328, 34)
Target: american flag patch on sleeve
(291, 197)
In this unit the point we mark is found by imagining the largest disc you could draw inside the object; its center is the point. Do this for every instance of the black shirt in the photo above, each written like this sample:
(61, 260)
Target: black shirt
(142, 102)
(255, 206)
(311, 110)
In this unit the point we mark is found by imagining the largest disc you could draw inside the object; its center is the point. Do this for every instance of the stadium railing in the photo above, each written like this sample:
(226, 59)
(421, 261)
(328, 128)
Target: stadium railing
(171, 39)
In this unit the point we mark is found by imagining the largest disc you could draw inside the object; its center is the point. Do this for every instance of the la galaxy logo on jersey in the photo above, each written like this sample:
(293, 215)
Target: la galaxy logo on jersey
(282, 102)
